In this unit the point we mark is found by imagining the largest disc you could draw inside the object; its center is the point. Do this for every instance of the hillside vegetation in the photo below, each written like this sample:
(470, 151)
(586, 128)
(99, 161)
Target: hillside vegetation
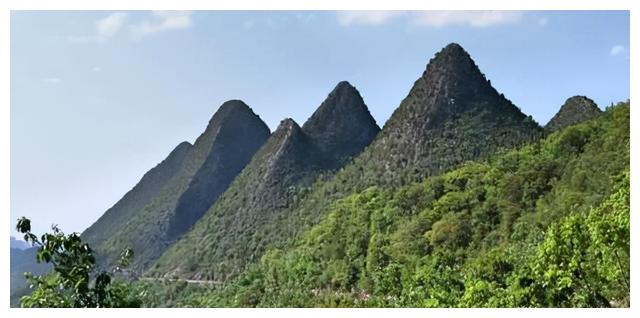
(544, 225)
(452, 114)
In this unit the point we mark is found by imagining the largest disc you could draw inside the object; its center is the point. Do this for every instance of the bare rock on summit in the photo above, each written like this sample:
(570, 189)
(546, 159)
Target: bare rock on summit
(575, 110)
(240, 225)
(342, 126)
(175, 194)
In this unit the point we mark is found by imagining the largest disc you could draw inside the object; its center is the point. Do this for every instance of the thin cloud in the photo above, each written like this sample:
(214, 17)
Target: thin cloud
(475, 19)
(96, 69)
(162, 21)
(616, 50)
(434, 19)
(110, 25)
(104, 28)
(347, 18)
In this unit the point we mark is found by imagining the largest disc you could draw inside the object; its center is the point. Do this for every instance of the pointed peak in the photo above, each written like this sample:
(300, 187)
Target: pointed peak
(453, 58)
(575, 109)
(580, 100)
(342, 125)
(181, 147)
(233, 105)
(343, 100)
(453, 48)
(580, 104)
(288, 124)
(233, 109)
(344, 87)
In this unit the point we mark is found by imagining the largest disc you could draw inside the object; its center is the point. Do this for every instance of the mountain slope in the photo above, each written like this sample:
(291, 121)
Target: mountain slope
(18, 244)
(342, 125)
(232, 136)
(546, 225)
(451, 115)
(246, 218)
(575, 109)
(138, 197)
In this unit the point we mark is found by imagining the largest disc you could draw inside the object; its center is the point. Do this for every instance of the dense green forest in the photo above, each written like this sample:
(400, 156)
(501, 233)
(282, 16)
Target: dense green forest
(451, 115)
(546, 225)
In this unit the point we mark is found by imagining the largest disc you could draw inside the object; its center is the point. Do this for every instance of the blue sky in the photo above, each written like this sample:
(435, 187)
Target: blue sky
(100, 97)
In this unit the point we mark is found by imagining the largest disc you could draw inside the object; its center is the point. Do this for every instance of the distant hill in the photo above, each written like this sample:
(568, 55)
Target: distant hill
(575, 110)
(172, 197)
(239, 226)
(19, 244)
(21, 261)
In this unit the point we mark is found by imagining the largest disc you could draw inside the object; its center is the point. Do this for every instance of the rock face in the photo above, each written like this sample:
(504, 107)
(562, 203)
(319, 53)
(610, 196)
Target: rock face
(239, 226)
(201, 174)
(342, 126)
(137, 198)
(452, 114)
(575, 110)
(239, 135)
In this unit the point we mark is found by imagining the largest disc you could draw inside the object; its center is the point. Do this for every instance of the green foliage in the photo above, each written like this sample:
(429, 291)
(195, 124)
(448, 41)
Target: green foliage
(72, 282)
(584, 259)
(546, 225)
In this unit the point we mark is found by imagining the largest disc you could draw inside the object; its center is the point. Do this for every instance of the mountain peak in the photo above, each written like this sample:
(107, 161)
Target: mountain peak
(453, 63)
(288, 124)
(454, 48)
(229, 108)
(575, 109)
(451, 114)
(342, 125)
(234, 104)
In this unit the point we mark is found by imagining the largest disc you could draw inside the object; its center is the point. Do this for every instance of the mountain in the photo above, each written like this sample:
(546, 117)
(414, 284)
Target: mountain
(195, 178)
(23, 261)
(451, 115)
(137, 198)
(544, 225)
(19, 244)
(246, 218)
(342, 126)
(575, 109)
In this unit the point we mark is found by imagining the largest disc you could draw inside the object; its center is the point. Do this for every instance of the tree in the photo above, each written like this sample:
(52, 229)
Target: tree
(74, 280)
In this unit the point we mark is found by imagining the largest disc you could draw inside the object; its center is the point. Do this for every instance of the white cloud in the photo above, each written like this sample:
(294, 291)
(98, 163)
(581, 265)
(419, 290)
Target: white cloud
(467, 18)
(110, 25)
(366, 17)
(434, 19)
(52, 80)
(616, 50)
(163, 21)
